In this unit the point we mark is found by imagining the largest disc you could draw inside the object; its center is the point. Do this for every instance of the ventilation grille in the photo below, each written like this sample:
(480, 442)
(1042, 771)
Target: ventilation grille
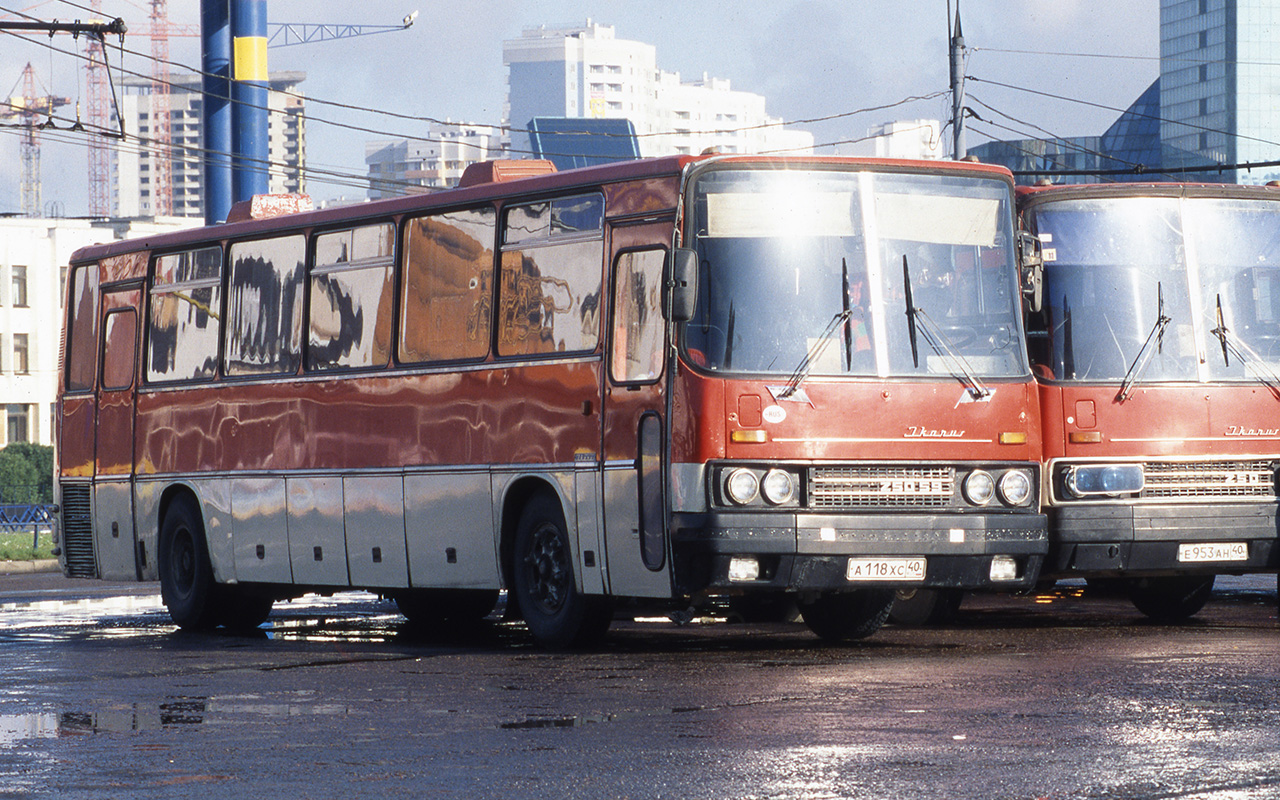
(883, 487)
(1210, 479)
(77, 533)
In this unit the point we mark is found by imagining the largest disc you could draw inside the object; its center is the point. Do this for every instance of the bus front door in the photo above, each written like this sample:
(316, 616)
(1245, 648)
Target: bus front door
(119, 557)
(638, 557)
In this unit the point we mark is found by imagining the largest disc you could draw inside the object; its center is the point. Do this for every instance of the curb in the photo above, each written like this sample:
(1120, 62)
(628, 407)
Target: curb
(28, 567)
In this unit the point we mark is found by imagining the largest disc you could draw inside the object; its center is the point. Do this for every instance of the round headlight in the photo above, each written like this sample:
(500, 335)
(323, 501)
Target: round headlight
(778, 487)
(742, 486)
(1015, 487)
(979, 488)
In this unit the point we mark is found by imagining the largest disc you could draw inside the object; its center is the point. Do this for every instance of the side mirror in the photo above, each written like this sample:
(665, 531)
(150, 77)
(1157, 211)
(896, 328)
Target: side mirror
(1031, 269)
(681, 284)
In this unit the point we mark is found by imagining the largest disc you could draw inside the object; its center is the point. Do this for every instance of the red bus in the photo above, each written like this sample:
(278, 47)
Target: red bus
(655, 383)
(1157, 350)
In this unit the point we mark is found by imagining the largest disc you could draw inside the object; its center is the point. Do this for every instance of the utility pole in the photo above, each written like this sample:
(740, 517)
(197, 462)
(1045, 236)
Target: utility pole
(957, 88)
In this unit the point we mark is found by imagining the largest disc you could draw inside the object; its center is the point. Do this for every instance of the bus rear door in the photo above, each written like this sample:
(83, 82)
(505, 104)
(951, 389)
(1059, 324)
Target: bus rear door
(119, 557)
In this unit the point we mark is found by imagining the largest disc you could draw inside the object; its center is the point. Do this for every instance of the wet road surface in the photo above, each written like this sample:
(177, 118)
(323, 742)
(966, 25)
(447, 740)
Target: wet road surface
(1057, 696)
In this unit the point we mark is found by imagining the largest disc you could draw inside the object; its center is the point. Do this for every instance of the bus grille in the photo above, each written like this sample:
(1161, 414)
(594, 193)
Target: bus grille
(1210, 479)
(77, 533)
(891, 487)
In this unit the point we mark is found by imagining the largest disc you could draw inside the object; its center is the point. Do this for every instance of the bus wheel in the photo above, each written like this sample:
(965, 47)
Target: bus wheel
(916, 607)
(430, 607)
(186, 575)
(844, 616)
(557, 614)
(1171, 599)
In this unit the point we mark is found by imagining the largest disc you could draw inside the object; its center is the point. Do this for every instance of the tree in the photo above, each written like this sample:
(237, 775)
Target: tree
(26, 473)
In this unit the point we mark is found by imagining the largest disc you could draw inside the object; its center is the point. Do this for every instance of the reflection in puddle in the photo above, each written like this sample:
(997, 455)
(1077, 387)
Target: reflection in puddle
(16, 728)
(81, 611)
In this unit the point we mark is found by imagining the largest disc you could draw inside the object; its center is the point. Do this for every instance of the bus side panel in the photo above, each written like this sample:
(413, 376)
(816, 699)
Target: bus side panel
(76, 437)
(448, 525)
(113, 530)
(376, 554)
(317, 539)
(628, 575)
(260, 541)
(592, 562)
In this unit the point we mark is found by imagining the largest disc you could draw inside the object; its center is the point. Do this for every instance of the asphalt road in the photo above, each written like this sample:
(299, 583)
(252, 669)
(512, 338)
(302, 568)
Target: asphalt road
(1057, 696)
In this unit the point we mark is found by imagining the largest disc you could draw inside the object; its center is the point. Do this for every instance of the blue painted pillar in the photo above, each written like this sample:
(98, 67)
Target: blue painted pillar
(249, 83)
(215, 35)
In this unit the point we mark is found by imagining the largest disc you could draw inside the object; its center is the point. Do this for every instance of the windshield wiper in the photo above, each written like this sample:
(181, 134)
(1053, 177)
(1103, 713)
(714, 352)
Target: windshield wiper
(811, 357)
(1245, 354)
(1143, 358)
(918, 320)
(848, 314)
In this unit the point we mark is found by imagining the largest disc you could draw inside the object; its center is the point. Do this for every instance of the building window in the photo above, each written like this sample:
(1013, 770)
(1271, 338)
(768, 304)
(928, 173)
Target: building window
(21, 362)
(1204, 72)
(19, 297)
(19, 426)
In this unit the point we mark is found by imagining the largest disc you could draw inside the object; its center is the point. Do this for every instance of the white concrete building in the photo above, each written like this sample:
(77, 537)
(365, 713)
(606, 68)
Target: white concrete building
(399, 167)
(584, 71)
(914, 138)
(33, 270)
(132, 165)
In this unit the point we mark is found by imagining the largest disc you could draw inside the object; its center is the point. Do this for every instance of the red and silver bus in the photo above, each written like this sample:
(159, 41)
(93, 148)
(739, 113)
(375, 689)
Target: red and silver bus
(655, 383)
(1157, 349)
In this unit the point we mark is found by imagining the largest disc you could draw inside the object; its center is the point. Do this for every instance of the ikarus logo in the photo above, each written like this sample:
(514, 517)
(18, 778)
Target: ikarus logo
(1241, 430)
(921, 432)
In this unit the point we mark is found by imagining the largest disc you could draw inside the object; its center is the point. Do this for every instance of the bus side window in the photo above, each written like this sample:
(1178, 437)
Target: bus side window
(350, 309)
(120, 339)
(186, 305)
(264, 307)
(549, 295)
(82, 332)
(447, 297)
(637, 316)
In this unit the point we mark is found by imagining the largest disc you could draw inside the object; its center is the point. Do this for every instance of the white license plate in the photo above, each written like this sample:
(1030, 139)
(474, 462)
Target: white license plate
(885, 569)
(1214, 551)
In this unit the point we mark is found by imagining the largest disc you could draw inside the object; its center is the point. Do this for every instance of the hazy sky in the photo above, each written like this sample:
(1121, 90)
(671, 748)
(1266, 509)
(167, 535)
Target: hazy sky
(809, 58)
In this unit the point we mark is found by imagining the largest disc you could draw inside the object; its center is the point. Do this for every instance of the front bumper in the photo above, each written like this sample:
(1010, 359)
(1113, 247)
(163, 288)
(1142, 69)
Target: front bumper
(1112, 541)
(810, 552)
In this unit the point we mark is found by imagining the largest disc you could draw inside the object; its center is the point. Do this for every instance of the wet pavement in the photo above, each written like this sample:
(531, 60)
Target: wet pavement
(1063, 695)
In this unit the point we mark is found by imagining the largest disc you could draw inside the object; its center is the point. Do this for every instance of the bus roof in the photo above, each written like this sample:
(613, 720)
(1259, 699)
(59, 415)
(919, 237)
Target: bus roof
(548, 183)
(1033, 195)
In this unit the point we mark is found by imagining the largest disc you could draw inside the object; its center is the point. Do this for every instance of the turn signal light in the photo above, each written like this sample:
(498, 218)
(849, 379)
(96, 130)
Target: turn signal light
(1013, 437)
(1084, 437)
(749, 437)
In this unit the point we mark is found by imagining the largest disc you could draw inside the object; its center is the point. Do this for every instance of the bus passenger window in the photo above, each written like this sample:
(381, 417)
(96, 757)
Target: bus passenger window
(186, 305)
(350, 323)
(119, 342)
(549, 295)
(82, 344)
(447, 299)
(264, 307)
(637, 317)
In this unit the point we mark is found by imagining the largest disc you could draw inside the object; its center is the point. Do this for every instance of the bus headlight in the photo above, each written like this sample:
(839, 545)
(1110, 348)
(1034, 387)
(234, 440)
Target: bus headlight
(1104, 480)
(778, 487)
(979, 487)
(742, 486)
(1015, 487)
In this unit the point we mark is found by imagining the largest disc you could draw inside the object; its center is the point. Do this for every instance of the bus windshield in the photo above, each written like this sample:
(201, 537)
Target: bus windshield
(854, 273)
(1195, 280)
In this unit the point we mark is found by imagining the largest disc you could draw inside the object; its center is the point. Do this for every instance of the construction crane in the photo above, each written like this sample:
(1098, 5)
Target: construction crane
(34, 113)
(283, 35)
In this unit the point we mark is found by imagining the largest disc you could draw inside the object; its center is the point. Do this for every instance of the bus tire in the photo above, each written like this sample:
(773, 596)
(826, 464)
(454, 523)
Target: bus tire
(556, 613)
(920, 607)
(845, 616)
(1171, 599)
(186, 574)
(243, 609)
(434, 607)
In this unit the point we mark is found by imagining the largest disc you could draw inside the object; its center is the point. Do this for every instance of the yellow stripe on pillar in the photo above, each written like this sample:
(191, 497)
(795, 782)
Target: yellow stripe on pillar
(249, 54)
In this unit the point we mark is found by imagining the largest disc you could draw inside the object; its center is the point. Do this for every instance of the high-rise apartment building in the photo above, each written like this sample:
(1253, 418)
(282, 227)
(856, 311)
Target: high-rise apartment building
(436, 162)
(133, 161)
(585, 71)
